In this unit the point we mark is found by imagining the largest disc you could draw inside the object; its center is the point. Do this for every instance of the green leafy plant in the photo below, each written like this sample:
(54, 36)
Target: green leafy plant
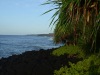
(89, 66)
(69, 50)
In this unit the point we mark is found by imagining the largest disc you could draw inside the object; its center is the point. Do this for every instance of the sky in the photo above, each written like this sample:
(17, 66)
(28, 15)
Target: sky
(21, 17)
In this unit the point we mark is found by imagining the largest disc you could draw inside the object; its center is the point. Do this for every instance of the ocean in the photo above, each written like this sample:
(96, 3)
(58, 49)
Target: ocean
(17, 44)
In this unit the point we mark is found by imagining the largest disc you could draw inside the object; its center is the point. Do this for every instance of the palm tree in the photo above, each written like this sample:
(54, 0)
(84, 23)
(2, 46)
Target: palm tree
(78, 21)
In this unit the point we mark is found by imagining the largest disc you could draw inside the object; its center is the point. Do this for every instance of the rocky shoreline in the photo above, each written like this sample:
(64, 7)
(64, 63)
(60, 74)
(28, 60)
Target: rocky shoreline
(40, 62)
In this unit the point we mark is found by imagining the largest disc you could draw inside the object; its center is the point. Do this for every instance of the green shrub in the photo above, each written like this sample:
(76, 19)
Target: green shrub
(70, 50)
(89, 66)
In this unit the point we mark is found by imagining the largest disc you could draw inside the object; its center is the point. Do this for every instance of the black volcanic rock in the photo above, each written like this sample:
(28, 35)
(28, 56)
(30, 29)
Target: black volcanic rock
(33, 63)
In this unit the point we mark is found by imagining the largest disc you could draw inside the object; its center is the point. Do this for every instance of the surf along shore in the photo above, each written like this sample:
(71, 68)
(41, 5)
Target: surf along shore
(40, 62)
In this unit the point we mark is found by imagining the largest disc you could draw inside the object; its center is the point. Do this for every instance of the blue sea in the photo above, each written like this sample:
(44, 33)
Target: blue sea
(17, 44)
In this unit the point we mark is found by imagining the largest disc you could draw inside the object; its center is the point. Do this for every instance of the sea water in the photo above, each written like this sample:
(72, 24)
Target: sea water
(17, 44)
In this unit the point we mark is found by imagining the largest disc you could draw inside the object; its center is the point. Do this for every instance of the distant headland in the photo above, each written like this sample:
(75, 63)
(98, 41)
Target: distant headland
(49, 34)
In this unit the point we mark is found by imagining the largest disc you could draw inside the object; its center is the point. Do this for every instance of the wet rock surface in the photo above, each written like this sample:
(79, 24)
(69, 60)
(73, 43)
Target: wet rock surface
(40, 62)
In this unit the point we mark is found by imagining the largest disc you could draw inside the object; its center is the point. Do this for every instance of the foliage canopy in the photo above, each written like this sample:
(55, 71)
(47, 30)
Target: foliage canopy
(78, 22)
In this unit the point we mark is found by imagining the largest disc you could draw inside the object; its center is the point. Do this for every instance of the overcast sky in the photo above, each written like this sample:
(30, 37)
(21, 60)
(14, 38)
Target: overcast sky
(19, 17)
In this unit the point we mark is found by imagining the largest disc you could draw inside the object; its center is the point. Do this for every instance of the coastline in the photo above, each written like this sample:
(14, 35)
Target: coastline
(40, 62)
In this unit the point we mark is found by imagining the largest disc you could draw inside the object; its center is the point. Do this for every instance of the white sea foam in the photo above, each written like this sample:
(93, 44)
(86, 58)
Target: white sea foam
(10, 45)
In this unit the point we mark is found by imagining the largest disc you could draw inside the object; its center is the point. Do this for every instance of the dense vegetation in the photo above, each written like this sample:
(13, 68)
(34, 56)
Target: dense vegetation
(77, 25)
(90, 65)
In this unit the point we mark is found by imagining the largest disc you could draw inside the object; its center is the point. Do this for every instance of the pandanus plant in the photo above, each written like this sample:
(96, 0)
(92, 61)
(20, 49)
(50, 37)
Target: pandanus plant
(78, 21)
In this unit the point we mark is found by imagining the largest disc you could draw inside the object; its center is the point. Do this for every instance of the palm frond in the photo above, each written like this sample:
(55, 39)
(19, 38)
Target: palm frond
(78, 19)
